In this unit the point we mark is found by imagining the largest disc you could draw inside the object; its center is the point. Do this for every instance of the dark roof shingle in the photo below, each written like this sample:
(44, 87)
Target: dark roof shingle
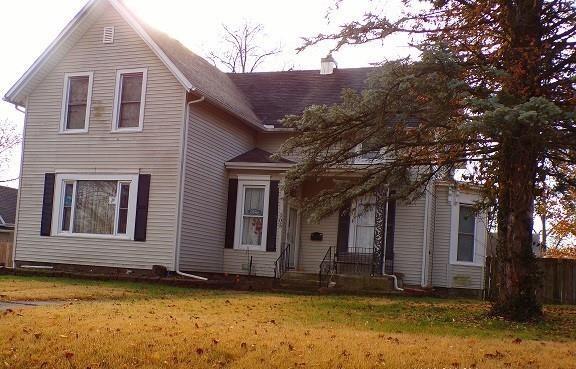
(273, 95)
(209, 80)
(258, 156)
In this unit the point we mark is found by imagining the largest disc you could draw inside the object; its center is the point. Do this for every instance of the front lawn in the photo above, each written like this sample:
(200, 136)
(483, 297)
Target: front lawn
(128, 325)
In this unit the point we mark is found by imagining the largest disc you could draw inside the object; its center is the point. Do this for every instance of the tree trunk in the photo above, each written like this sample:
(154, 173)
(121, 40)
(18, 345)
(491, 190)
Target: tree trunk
(516, 273)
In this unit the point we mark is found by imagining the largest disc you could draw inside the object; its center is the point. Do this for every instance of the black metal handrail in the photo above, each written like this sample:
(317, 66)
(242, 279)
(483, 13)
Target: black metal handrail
(356, 260)
(327, 269)
(282, 264)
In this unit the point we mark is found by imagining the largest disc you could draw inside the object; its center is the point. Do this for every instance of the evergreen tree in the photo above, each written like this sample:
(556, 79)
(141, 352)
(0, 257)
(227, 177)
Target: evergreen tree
(493, 92)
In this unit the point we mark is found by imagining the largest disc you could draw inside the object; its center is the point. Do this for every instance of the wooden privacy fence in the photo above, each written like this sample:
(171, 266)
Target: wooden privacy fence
(557, 280)
(6, 249)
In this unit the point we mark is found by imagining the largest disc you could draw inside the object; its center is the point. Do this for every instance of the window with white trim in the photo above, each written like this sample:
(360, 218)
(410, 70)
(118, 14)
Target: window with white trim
(95, 205)
(252, 214)
(369, 157)
(129, 99)
(76, 101)
(466, 234)
(362, 224)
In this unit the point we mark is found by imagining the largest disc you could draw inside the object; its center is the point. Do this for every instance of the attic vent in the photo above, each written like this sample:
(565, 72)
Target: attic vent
(108, 36)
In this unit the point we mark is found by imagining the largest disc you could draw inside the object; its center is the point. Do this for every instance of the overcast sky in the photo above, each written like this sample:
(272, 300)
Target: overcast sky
(197, 24)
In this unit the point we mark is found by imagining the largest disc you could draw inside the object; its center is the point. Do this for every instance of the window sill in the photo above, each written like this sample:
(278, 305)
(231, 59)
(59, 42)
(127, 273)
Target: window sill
(127, 130)
(93, 236)
(73, 132)
(466, 263)
(249, 248)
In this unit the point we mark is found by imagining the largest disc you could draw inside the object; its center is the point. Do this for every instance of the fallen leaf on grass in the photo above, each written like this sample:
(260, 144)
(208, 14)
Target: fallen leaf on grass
(497, 355)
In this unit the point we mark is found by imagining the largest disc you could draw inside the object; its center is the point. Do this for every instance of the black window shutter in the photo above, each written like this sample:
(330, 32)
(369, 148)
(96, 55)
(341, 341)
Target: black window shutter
(272, 216)
(47, 204)
(391, 216)
(231, 213)
(142, 207)
(343, 229)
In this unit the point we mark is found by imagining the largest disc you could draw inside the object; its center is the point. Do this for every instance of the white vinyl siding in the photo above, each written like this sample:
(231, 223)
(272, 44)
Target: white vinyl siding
(444, 272)
(213, 138)
(155, 151)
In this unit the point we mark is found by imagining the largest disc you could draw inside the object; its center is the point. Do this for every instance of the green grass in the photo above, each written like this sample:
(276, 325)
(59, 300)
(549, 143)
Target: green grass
(101, 324)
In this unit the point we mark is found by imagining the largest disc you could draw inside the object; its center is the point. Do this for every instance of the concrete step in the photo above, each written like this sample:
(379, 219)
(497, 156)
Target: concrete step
(293, 275)
(363, 283)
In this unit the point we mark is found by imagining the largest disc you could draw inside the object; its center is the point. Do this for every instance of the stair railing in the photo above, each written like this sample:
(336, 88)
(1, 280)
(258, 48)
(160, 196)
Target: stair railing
(282, 264)
(327, 268)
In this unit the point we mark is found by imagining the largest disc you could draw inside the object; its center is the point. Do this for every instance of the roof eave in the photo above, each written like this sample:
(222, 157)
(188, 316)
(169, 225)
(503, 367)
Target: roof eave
(12, 96)
(260, 166)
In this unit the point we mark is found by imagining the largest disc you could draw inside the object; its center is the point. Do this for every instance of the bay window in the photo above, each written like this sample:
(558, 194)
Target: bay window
(95, 205)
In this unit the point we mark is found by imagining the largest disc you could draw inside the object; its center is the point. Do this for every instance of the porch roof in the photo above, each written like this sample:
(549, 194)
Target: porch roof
(258, 158)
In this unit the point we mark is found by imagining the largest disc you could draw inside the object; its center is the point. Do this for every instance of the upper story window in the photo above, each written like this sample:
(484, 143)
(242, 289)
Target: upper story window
(76, 102)
(129, 100)
(368, 157)
(466, 234)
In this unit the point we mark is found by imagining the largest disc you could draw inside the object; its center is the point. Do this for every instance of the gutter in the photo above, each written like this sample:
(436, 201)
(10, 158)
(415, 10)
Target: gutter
(423, 280)
(182, 177)
(385, 246)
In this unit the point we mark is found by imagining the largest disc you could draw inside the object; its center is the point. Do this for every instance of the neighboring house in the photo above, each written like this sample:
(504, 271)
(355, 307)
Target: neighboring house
(8, 198)
(137, 152)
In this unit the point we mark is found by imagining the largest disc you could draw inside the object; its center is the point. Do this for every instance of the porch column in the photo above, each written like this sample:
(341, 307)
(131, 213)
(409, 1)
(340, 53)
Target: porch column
(380, 223)
(384, 224)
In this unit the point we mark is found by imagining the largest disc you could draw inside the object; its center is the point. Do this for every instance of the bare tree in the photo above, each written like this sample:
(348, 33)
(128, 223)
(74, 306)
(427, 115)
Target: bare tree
(9, 139)
(242, 51)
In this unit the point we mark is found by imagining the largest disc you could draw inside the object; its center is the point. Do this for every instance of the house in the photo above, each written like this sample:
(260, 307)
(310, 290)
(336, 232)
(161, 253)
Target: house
(138, 152)
(8, 198)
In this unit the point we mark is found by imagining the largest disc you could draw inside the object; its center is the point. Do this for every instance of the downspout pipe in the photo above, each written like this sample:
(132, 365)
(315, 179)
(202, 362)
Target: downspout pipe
(182, 167)
(394, 278)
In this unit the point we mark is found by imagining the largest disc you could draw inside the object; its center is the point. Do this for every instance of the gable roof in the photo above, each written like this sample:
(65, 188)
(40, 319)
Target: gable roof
(257, 98)
(274, 95)
(8, 197)
(193, 72)
(205, 77)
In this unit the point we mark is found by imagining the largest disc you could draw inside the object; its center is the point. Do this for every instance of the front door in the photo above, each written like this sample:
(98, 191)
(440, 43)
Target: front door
(291, 235)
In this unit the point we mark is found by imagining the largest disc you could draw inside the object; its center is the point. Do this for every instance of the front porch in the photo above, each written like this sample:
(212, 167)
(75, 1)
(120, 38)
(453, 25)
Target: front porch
(269, 234)
(352, 249)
